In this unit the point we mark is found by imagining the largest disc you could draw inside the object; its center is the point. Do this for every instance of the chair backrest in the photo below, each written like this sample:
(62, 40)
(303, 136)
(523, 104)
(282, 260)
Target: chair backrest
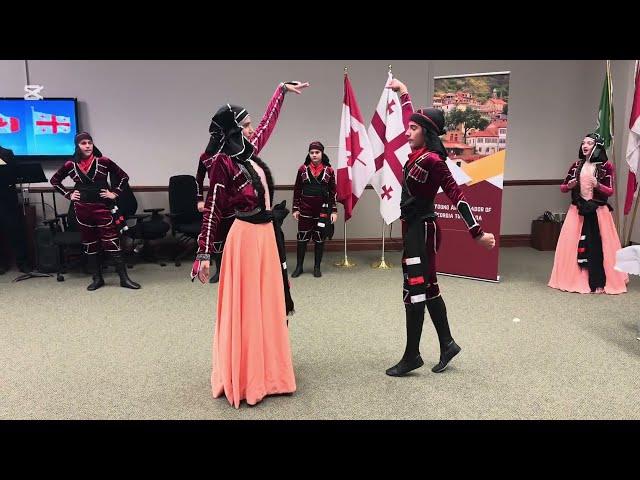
(183, 197)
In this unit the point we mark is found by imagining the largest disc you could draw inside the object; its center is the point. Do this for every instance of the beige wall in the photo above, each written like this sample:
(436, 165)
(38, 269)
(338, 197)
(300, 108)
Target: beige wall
(152, 116)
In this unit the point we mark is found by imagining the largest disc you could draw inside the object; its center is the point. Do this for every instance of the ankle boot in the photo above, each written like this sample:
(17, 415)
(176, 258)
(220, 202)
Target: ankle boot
(411, 359)
(448, 347)
(121, 269)
(318, 251)
(95, 267)
(302, 248)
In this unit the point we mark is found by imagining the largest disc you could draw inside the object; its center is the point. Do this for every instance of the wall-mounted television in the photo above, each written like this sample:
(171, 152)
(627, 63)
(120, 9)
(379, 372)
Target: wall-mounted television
(39, 129)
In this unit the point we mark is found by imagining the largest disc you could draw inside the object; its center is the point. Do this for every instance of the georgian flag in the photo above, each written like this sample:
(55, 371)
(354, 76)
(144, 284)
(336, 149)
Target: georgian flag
(390, 152)
(50, 123)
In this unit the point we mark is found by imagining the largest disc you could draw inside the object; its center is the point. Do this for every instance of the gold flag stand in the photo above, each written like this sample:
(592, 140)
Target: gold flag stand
(382, 264)
(345, 263)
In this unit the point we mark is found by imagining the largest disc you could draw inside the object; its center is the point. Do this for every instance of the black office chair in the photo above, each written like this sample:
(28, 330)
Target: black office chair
(149, 226)
(66, 235)
(184, 215)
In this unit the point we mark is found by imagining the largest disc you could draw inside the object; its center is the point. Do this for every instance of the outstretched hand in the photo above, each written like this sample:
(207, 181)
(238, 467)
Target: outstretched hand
(296, 86)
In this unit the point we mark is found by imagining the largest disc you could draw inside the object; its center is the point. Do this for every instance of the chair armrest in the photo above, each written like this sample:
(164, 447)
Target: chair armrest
(139, 216)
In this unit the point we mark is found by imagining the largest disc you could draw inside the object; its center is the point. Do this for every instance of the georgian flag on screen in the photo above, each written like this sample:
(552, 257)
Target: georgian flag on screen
(50, 123)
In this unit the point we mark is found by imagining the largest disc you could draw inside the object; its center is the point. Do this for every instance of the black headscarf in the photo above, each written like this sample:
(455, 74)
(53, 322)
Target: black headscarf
(599, 153)
(226, 133)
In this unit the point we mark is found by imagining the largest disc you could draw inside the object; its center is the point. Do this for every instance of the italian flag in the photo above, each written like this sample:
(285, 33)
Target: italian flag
(605, 112)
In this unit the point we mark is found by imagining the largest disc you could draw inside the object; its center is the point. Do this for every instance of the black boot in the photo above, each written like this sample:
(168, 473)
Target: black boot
(95, 267)
(302, 248)
(218, 258)
(411, 358)
(121, 268)
(448, 347)
(319, 249)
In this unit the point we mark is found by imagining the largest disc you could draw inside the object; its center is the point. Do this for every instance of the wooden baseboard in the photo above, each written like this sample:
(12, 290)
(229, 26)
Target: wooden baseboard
(353, 244)
(167, 246)
(515, 240)
(165, 188)
(395, 244)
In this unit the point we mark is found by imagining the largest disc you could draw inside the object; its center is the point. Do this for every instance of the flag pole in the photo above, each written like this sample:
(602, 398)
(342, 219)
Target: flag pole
(624, 227)
(345, 261)
(633, 221)
(382, 264)
(33, 128)
(613, 155)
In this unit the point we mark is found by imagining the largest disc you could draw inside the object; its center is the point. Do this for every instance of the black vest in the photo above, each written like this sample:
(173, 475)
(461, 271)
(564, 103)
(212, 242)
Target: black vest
(414, 208)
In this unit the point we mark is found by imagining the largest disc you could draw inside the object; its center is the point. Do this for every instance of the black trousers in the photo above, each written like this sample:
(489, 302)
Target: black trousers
(12, 224)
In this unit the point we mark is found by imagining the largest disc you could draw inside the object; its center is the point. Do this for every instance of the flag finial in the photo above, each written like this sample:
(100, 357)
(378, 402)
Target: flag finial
(345, 70)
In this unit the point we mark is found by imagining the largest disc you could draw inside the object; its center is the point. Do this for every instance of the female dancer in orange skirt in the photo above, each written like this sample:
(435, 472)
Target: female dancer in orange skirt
(586, 251)
(251, 351)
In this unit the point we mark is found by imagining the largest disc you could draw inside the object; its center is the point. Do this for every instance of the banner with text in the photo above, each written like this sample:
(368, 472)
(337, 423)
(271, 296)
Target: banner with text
(476, 109)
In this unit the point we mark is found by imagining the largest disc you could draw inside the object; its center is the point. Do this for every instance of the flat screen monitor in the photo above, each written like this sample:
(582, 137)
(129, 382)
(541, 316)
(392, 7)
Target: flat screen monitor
(39, 130)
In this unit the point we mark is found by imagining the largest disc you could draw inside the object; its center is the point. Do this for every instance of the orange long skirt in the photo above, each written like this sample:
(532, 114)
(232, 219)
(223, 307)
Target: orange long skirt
(251, 350)
(566, 275)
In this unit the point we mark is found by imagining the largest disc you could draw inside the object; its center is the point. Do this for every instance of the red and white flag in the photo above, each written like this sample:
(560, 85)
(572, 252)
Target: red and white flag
(355, 160)
(9, 124)
(633, 145)
(390, 152)
(50, 124)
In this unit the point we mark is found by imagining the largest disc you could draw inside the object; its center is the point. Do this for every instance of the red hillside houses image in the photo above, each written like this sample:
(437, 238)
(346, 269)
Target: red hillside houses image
(476, 110)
